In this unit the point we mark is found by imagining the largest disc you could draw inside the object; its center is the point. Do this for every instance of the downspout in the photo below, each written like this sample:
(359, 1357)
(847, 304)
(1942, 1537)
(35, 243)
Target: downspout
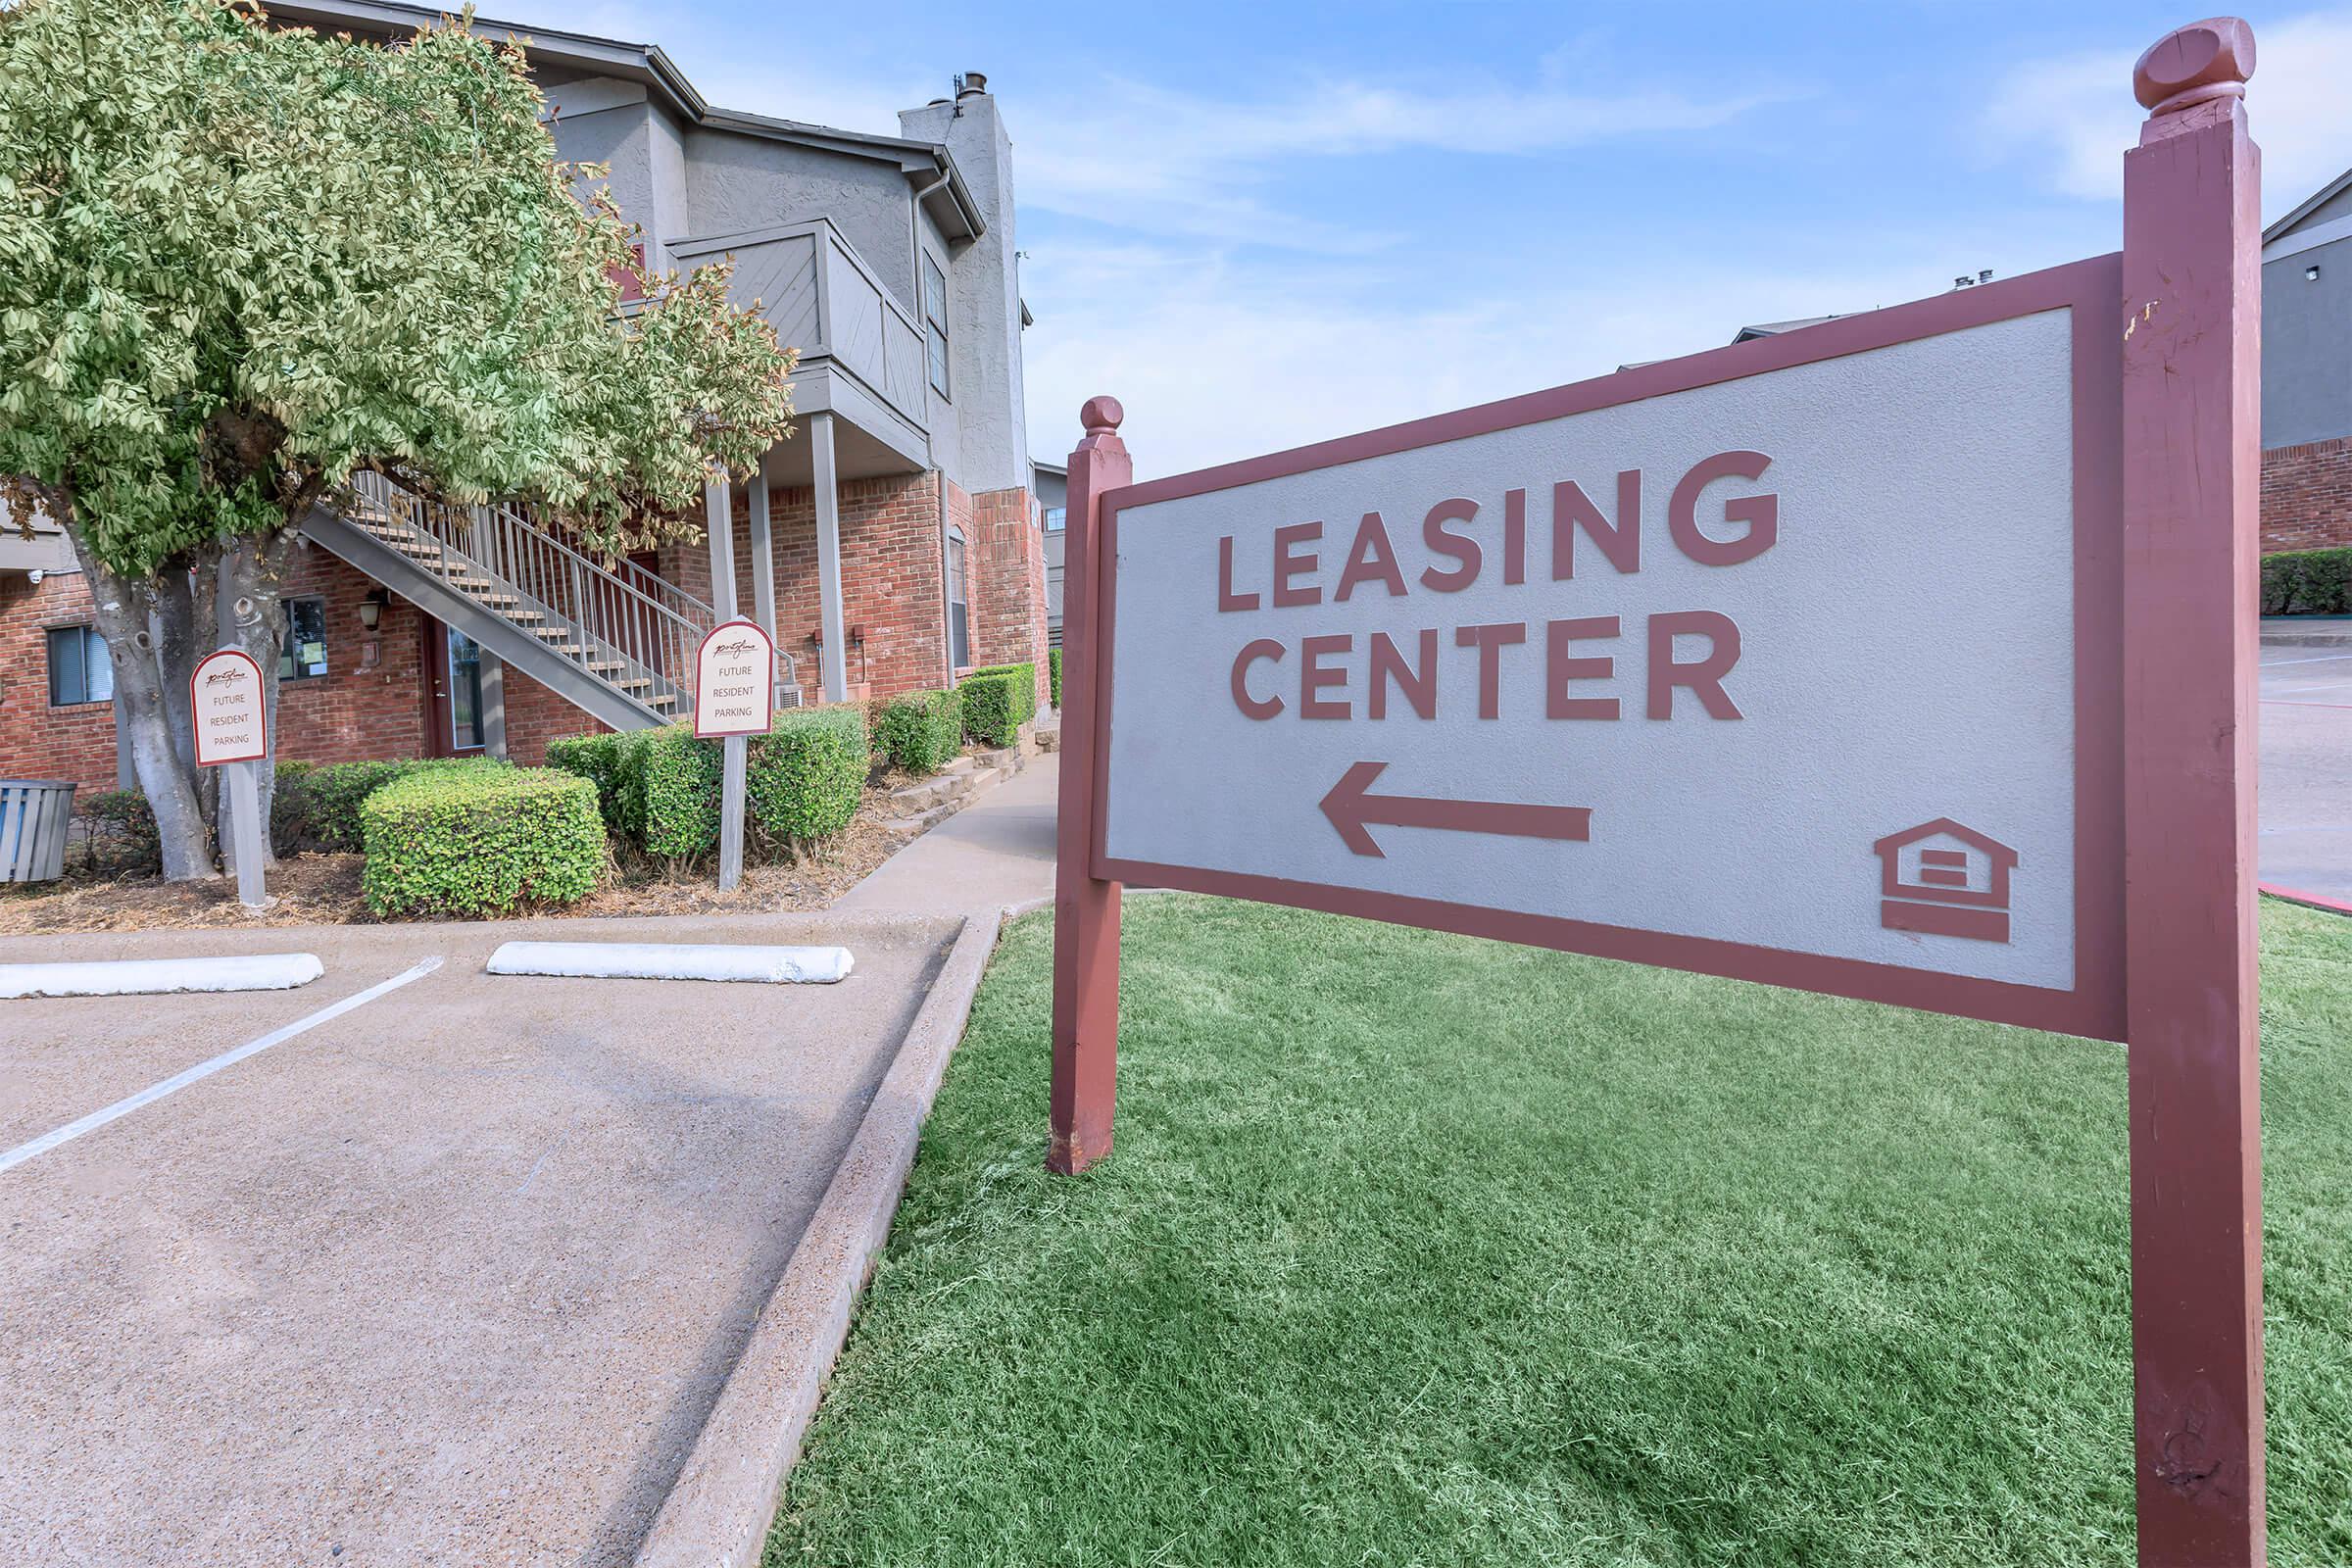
(914, 239)
(915, 260)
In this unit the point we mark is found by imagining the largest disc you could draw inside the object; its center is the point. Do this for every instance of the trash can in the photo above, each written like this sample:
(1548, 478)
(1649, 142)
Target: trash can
(35, 813)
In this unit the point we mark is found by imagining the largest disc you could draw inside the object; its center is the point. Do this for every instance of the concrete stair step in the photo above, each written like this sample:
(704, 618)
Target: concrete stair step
(938, 788)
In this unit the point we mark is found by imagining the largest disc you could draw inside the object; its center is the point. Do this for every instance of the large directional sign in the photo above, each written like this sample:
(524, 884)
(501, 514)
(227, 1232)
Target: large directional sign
(1795, 662)
(1908, 656)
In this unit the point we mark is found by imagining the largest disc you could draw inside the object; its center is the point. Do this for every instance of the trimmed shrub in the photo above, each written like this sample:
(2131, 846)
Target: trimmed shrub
(2307, 582)
(121, 831)
(1054, 677)
(480, 840)
(990, 702)
(316, 807)
(919, 732)
(680, 777)
(1024, 696)
(615, 763)
(803, 780)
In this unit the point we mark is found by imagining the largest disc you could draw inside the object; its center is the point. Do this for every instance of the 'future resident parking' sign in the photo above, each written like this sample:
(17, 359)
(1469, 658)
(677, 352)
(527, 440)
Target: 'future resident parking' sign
(1793, 661)
(231, 723)
(734, 684)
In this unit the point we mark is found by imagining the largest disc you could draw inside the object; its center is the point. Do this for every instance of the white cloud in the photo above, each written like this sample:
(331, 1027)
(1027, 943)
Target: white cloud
(1208, 158)
(1219, 361)
(2075, 116)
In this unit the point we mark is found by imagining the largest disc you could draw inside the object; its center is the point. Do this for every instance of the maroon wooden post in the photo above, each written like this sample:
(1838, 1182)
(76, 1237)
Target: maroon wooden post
(1085, 908)
(2191, 338)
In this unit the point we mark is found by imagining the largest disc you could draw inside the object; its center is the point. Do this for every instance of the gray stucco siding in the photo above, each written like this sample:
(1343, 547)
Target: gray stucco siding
(735, 183)
(2307, 346)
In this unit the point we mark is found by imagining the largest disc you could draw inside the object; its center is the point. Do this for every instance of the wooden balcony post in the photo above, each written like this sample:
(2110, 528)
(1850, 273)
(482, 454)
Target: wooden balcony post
(832, 661)
(763, 560)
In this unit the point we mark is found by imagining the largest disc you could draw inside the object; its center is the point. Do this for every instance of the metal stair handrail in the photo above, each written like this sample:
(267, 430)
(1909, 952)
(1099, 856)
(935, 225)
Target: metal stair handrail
(636, 632)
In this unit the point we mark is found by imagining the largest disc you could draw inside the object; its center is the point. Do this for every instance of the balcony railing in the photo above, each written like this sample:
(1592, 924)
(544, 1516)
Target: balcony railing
(827, 301)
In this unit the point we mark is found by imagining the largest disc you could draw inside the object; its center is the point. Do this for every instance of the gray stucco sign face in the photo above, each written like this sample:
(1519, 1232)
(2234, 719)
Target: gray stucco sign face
(1773, 675)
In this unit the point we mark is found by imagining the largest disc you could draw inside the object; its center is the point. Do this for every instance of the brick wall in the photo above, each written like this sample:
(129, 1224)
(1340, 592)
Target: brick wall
(357, 710)
(536, 715)
(893, 588)
(889, 570)
(37, 741)
(2307, 496)
(1009, 605)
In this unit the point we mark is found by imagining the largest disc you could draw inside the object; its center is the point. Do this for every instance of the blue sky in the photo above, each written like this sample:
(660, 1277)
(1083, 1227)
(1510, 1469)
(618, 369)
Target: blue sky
(1261, 224)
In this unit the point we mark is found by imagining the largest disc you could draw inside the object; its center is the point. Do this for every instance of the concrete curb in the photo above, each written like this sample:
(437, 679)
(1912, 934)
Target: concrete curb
(673, 960)
(718, 1513)
(146, 977)
(2309, 901)
(2300, 631)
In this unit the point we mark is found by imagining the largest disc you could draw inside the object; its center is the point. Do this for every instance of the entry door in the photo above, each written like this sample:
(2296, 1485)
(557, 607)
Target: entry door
(453, 664)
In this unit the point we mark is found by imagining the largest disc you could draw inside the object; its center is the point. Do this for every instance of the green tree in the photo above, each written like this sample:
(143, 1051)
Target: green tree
(240, 262)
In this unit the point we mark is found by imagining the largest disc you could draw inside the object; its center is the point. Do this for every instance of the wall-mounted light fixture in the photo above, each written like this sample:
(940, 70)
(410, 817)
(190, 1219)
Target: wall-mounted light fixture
(2311, 274)
(372, 607)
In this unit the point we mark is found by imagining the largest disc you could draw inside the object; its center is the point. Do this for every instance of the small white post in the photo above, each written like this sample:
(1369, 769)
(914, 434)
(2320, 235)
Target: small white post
(730, 814)
(247, 847)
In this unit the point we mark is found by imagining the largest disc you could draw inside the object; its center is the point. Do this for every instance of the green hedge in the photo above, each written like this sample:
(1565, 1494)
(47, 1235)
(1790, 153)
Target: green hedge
(807, 774)
(480, 840)
(2307, 582)
(1054, 677)
(997, 700)
(123, 830)
(1025, 681)
(616, 765)
(803, 780)
(316, 806)
(919, 732)
(989, 703)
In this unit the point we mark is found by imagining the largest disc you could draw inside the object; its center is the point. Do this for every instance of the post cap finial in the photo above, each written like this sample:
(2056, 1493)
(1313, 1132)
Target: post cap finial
(2205, 60)
(1101, 415)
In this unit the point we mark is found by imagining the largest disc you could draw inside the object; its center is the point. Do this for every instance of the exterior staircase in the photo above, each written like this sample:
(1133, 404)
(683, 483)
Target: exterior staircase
(617, 641)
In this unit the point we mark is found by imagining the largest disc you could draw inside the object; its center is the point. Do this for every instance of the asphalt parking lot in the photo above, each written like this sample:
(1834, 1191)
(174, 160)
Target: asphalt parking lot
(2306, 785)
(450, 1278)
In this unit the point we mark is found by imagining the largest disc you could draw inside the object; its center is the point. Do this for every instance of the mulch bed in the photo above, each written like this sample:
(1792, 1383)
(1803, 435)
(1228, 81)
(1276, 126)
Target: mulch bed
(325, 888)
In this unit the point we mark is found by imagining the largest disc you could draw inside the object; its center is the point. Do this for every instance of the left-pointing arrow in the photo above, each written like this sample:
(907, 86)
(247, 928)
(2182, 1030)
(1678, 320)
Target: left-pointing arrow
(1351, 807)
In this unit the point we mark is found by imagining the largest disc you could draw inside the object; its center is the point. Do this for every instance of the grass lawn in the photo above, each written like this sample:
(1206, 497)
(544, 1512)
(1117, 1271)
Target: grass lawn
(1423, 1251)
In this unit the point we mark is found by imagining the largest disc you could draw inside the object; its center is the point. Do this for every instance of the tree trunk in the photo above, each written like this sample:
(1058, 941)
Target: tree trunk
(253, 617)
(139, 685)
(184, 625)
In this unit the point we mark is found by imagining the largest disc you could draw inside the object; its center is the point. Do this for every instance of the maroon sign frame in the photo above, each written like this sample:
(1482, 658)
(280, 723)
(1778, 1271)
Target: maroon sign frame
(2094, 1004)
(2167, 461)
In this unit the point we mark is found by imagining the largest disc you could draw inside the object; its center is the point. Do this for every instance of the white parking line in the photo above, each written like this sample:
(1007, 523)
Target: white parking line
(2316, 659)
(202, 1070)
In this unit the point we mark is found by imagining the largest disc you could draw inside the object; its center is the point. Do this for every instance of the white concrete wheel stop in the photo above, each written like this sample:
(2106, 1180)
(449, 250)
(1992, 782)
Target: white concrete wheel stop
(136, 977)
(674, 961)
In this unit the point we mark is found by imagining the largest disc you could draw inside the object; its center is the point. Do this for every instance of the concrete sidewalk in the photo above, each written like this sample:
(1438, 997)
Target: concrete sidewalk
(996, 852)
